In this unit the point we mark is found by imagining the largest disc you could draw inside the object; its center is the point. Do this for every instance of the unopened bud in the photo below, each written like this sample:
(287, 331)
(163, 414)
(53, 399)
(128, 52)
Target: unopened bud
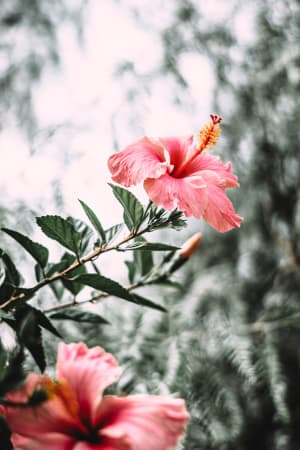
(190, 246)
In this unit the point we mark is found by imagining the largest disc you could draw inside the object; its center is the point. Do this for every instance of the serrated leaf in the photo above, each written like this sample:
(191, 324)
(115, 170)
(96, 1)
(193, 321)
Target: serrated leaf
(62, 231)
(133, 209)
(104, 284)
(79, 316)
(12, 274)
(85, 231)
(10, 277)
(36, 250)
(94, 220)
(112, 232)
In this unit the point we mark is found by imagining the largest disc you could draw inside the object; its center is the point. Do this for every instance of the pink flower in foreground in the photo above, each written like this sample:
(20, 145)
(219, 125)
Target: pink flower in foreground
(76, 416)
(178, 172)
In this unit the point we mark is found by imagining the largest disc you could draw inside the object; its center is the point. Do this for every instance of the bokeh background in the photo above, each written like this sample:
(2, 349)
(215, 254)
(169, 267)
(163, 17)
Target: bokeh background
(82, 79)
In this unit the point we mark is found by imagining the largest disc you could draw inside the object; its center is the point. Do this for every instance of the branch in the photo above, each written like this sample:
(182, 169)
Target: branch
(78, 262)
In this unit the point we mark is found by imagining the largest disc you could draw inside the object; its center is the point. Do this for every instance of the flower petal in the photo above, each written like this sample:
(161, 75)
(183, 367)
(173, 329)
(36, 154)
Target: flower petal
(220, 213)
(88, 372)
(47, 441)
(146, 158)
(143, 421)
(58, 414)
(213, 165)
(178, 148)
(188, 193)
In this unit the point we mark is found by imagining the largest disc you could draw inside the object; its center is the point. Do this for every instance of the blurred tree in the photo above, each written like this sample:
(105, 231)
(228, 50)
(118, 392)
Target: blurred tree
(230, 343)
(29, 34)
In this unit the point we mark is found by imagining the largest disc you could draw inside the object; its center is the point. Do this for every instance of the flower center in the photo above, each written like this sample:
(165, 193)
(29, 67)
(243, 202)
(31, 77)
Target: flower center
(207, 138)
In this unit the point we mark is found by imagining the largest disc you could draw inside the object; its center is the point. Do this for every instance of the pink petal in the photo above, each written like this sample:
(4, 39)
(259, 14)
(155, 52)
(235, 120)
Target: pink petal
(188, 193)
(146, 158)
(102, 446)
(88, 372)
(143, 421)
(58, 414)
(220, 213)
(213, 164)
(178, 148)
(48, 441)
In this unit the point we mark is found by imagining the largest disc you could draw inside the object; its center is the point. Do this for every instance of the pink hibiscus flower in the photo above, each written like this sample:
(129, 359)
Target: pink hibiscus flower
(178, 172)
(76, 416)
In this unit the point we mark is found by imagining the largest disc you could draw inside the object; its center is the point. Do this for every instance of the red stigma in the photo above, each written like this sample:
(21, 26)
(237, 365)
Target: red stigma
(215, 119)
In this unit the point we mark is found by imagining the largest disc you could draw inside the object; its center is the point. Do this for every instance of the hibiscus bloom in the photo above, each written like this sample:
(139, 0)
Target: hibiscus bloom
(76, 415)
(178, 172)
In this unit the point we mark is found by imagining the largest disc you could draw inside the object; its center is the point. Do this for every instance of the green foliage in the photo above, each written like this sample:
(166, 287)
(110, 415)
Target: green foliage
(37, 251)
(62, 231)
(133, 209)
(94, 220)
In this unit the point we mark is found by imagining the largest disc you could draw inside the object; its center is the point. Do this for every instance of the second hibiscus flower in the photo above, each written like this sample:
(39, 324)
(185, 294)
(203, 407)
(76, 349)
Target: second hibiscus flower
(178, 172)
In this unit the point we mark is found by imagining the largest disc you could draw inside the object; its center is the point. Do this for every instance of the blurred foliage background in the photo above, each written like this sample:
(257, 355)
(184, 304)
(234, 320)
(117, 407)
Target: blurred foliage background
(230, 342)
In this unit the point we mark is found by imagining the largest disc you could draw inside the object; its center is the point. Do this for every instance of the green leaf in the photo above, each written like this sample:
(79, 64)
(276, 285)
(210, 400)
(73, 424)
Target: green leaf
(44, 322)
(94, 220)
(37, 251)
(85, 231)
(79, 316)
(142, 301)
(12, 274)
(104, 284)
(131, 270)
(133, 209)
(62, 231)
(29, 334)
(112, 232)
(71, 285)
(151, 246)
(10, 277)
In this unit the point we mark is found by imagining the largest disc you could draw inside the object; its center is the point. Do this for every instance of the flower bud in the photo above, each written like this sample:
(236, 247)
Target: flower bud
(190, 246)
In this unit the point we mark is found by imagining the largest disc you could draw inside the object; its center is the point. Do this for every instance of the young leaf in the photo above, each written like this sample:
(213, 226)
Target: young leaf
(79, 316)
(133, 209)
(37, 251)
(104, 284)
(85, 231)
(62, 231)
(153, 246)
(94, 220)
(112, 232)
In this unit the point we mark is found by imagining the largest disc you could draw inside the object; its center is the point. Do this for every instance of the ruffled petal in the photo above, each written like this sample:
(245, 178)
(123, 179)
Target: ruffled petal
(57, 414)
(146, 158)
(220, 213)
(48, 441)
(88, 372)
(142, 422)
(188, 193)
(212, 165)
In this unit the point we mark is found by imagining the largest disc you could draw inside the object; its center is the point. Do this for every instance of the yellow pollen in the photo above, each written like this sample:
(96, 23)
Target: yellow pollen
(210, 133)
